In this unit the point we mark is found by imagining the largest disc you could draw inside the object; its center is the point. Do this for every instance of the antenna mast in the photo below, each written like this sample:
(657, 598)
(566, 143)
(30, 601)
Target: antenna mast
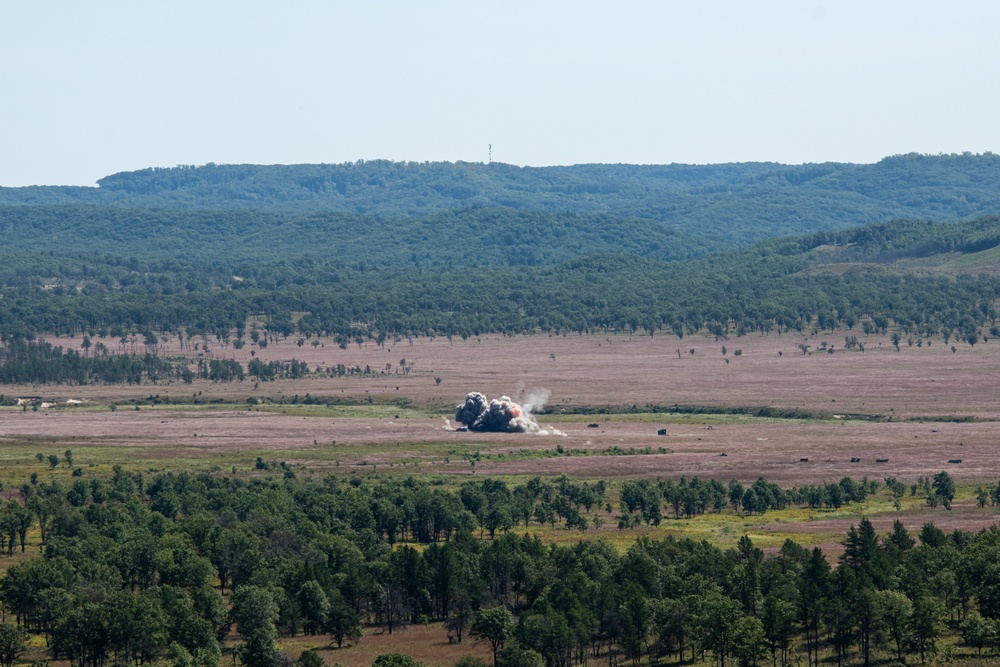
(491, 154)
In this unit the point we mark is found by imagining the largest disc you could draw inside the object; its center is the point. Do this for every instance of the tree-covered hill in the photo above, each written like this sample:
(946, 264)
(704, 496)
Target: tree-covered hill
(467, 237)
(817, 282)
(888, 242)
(709, 208)
(577, 249)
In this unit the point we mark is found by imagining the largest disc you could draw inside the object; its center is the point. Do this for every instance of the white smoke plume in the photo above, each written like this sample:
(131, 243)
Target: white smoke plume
(535, 400)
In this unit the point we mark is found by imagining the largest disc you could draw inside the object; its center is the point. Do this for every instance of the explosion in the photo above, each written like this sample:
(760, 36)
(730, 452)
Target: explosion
(499, 415)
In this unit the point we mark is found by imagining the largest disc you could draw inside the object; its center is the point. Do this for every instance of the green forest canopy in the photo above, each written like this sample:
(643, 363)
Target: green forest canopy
(134, 568)
(697, 208)
(776, 285)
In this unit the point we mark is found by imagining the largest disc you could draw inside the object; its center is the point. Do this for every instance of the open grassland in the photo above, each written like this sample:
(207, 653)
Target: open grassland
(615, 371)
(183, 437)
(318, 440)
(919, 408)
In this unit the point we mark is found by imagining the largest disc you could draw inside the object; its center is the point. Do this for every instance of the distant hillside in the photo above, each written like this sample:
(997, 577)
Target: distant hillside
(236, 238)
(386, 213)
(394, 188)
(888, 242)
(872, 278)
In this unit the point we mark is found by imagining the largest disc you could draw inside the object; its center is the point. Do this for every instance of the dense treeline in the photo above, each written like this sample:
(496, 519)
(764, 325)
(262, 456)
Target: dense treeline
(760, 290)
(26, 361)
(23, 362)
(136, 568)
(463, 237)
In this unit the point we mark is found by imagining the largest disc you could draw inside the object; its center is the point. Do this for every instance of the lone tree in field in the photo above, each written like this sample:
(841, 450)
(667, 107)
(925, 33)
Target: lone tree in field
(342, 620)
(494, 625)
(944, 488)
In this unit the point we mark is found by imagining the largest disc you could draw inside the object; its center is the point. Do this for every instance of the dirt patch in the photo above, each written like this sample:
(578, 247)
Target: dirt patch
(426, 643)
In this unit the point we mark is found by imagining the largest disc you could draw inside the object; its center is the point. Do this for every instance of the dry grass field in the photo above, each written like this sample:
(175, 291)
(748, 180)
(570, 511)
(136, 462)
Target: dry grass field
(319, 438)
(930, 380)
(919, 407)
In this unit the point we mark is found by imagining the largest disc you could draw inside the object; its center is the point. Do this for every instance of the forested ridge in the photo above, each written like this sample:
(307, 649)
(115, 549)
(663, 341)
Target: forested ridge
(467, 237)
(136, 568)
(679, 210)
(775, 286)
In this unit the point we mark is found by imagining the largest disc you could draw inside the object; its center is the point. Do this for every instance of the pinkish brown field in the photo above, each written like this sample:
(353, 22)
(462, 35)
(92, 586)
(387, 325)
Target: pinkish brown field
(625, 370)
(614, 371)
(771, 449)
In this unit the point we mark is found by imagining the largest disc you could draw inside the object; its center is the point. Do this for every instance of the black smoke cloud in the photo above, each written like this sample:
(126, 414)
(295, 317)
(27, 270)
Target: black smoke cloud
(501, 415)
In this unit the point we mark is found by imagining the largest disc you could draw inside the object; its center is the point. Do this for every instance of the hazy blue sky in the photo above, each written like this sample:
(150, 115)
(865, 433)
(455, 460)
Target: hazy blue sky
(92, 88)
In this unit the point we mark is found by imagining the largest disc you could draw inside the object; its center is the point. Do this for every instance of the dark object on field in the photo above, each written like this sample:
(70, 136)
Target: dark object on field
(855, 459)
(593, 425)
(501, 415)
(662, 431)
(723, 454)
(461, 429)
(881, 460)
(954, 460)
(803, 460)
